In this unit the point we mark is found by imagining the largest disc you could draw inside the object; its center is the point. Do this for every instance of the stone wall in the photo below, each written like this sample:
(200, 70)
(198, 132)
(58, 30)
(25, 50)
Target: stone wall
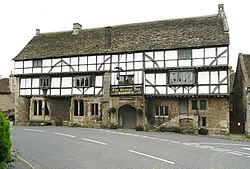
(239, 105)
(247, 124)
(22, 107)
(216, 114)
(173, 108)
(59, 108)
(106, 99)
(21, 104)
(6, 97)
(137, 102)
(87, 119)
(7, 104)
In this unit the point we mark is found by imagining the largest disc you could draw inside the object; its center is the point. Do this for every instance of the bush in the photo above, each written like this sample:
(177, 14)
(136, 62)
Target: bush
(5, 141)
(112, 110)
(139, 111)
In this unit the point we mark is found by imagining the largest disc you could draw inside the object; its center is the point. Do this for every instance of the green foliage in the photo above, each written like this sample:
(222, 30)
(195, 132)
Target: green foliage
(139, 111)
(5, 141)
(112, 110)
(3, 165)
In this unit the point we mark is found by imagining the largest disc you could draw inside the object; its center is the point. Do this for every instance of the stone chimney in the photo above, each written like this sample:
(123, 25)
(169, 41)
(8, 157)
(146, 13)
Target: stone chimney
(222, 14)
(76, 28)
(221, 7)
(108, 37)
(37, 31)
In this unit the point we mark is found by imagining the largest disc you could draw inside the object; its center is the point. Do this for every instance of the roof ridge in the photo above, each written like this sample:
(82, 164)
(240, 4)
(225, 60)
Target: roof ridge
(133, 24)
(164, 20)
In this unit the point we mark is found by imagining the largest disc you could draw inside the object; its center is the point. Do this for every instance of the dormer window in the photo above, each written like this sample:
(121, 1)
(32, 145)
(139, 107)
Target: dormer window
(184, 54)
(37, 63)
(84, 81)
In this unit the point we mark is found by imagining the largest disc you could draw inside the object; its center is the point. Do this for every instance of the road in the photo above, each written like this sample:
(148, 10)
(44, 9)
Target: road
(85, 148)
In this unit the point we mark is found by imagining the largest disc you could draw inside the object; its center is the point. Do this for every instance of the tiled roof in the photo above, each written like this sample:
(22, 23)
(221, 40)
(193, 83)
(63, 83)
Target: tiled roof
(158, 35)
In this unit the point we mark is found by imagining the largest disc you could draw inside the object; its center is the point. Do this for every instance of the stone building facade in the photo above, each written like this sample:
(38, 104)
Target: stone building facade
(6, 97)
(240, 119)
(153, 73)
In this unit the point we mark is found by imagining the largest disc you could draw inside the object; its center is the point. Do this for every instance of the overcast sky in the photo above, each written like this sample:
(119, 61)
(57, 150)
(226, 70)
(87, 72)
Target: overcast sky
(20, 19)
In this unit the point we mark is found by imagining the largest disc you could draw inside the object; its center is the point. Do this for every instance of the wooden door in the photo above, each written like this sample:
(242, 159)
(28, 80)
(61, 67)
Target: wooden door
(128, 115)
(183, 106)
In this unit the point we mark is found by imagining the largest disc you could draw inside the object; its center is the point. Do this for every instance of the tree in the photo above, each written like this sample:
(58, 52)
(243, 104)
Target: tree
(5, 141)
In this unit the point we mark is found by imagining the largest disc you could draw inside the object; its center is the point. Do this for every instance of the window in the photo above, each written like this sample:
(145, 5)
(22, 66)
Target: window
(161, 111)
(185, 54)
(40, 108)
(37, 63)
(194, 105)
(126, 79)
(75, 108)
(35, 107)
(78, 108)
(85, 81)
(203, 104)
(44, 82)
(182, 78)
(46, 108)
(94, 109)
(203, 121)
(81, 113)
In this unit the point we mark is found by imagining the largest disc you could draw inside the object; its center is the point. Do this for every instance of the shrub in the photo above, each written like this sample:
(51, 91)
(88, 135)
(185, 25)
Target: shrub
(5, 141)
(112, 110)
(139, 111)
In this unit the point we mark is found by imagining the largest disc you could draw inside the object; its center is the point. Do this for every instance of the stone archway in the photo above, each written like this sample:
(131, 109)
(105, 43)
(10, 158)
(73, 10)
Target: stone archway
(127, 117)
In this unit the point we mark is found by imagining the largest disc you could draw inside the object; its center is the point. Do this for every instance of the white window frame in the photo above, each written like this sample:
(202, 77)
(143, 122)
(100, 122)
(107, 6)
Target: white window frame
(83, 81)
(185, 54)
(181, 78)
(37, 63)
(165, 110)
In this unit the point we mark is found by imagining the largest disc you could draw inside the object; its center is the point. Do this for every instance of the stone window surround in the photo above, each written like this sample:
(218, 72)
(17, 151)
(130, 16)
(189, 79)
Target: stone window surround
(41, 106)
(164, 109)
(80, 108)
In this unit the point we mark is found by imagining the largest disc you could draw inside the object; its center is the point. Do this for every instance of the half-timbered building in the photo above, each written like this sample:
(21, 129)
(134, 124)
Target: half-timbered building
(132, 74)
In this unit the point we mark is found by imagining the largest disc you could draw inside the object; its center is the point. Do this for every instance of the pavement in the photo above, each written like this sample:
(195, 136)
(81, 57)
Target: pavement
(19, 163)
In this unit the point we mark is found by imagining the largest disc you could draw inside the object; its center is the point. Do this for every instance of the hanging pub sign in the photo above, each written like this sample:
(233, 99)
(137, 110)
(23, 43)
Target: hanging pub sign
(135, 90)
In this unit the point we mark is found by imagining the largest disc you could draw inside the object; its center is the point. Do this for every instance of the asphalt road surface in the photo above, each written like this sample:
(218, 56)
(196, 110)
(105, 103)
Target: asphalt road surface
(85, 148)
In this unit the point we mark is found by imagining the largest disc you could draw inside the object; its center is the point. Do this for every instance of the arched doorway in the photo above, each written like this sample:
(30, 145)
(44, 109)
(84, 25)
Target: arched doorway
(127, 117)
